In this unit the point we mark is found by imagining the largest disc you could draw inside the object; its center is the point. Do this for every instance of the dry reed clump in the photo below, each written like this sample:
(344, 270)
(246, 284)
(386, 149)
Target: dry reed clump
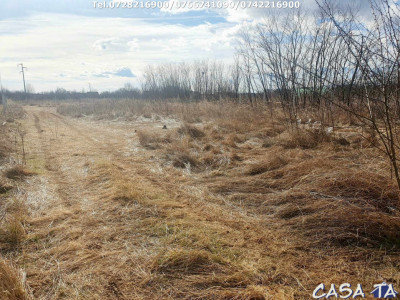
(191, 131)
(376, 189)
(126, 192)
(334, 222)
(341, 141)
(273, 162)
(4, 186)
(11, 284)
(209, 148)
(18, 208)
(152, 140)
(99, 174)
(232, 140)
(190, 262)
(325, 221)
(177, 144)
(18, 172)
(213, 161)
(184, 160)
(337, 207)
(182, 153)
(12, 233)
(306, 138)
(187, 151)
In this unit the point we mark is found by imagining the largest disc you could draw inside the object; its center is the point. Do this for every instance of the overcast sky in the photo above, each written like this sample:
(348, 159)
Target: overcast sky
(71, 44)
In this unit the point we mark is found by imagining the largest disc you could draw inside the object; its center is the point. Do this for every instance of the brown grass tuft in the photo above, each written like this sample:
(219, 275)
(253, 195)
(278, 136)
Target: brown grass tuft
(18, 172)
(192, 131)
(183, 160)
(180, 153)
(11, 285)
(364, 185)
(306, 139)
(126, 192)
(12, 233)
(271, 163)
(231, 140)
(188, 262)
(4, 187)
(151, 140)
(340, 224)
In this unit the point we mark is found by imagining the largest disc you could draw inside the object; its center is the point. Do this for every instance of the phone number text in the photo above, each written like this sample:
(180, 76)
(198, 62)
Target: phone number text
(194, 4)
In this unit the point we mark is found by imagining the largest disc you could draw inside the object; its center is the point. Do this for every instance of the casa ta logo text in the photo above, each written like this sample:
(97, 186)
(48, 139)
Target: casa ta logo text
(346, 291)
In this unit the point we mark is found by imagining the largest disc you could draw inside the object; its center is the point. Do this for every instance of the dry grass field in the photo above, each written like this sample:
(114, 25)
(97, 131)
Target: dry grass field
(225, 202)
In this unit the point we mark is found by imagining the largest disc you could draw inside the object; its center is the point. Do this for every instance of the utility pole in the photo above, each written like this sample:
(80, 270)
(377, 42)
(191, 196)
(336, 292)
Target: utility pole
(23, 76)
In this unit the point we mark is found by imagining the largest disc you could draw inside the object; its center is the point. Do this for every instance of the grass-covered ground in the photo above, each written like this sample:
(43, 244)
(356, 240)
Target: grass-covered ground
(227, 202)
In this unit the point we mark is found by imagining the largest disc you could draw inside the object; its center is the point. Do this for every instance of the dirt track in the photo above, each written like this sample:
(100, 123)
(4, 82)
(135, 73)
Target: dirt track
(82, 244)
(107, 223)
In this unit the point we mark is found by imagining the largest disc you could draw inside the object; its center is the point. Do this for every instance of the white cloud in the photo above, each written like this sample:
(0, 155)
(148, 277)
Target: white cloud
(71, 51)
(67, 50)
(236, 13)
